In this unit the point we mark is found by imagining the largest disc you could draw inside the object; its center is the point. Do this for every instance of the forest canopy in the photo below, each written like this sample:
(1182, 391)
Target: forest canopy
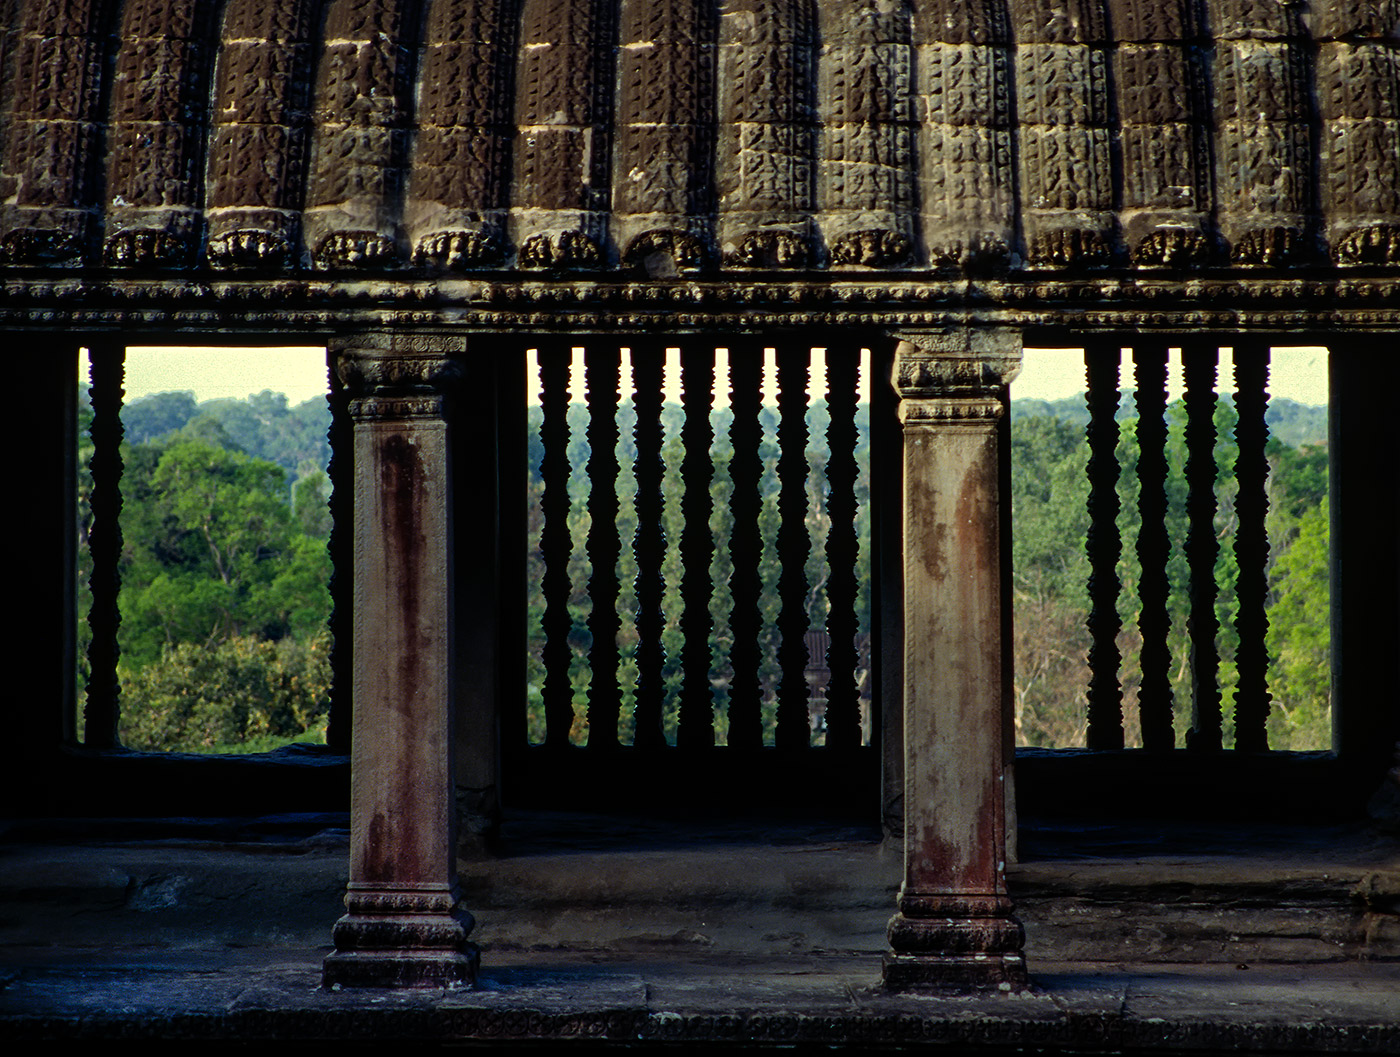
(224, 572)
(224, 597)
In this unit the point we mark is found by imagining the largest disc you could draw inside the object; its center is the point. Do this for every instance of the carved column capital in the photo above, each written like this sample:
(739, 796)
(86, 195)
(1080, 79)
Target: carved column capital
(956, 376)
(398, 376)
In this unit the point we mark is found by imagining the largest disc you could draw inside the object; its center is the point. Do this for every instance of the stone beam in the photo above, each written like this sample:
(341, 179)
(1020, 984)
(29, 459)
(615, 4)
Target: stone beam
(955, 926)
(404, 926)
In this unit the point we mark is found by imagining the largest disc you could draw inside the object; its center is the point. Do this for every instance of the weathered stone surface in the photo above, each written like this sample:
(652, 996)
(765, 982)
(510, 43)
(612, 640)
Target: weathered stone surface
(955, 926)
(403, 925)
(769, 133)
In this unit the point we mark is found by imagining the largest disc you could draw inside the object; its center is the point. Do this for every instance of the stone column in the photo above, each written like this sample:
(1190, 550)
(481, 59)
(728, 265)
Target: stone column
(955, 926)
(403, 925)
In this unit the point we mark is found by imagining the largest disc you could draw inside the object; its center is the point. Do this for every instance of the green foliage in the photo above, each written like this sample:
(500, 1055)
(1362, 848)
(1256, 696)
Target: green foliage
(1292, 424)
(263, 425)
(157, 415)
(211, 551)
(721, 570)
(225, 572)
(243, 694)
(1049, 579)
(1299, 637)
(1049, 492)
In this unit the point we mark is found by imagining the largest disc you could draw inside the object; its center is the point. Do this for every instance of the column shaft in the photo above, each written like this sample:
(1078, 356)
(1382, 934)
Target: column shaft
(955, 925)
(403, 925)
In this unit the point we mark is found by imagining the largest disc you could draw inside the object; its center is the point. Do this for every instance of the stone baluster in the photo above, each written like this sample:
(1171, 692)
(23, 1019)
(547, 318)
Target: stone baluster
(695, 727)
(404, 926)
(955, 926)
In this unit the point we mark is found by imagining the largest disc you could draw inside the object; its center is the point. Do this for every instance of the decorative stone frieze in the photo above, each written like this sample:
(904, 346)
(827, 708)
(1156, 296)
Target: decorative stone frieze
(955, 926)
(544, 137)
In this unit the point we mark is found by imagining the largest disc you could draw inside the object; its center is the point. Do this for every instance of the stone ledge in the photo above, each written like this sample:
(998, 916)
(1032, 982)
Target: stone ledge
(829, 1003)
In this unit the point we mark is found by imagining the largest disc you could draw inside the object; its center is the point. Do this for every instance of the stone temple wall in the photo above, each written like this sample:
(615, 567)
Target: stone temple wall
(651, 138)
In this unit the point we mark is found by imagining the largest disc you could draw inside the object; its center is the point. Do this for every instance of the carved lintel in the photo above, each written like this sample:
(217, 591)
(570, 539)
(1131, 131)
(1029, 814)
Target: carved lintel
(249, 248)
(662, 252)
(955, 376)
(402, 936)
(459, 249)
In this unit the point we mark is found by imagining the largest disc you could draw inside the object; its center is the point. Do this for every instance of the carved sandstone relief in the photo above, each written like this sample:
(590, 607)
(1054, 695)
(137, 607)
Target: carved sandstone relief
(1062, 99)
(1162, 116)
(52, 131)
(1358, 95)
(965, 167)
(563, 114)
(155, 135)
(362, 114)
(866, 176)
(663, 176)
(257, 135)
(455, 211)
(1263, 169)
(764, 164)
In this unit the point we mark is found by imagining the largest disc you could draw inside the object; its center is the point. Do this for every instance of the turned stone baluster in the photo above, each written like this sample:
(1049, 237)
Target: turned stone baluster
(107, 376)
(955, 926)
(404, 926)
(1104, 546)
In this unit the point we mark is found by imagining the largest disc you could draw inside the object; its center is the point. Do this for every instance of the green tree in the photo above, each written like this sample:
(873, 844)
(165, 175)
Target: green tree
(243, 694)
(211, 552)
(1299, 638)
(157, 415)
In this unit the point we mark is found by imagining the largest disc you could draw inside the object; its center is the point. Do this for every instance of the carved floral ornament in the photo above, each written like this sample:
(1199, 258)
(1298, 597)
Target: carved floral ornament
(947, 137)
(954, 375)
(398, 381)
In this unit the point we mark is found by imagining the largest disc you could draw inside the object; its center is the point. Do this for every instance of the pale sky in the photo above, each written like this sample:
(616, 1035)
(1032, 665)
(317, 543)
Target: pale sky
(1049, 374)
(1298, 374)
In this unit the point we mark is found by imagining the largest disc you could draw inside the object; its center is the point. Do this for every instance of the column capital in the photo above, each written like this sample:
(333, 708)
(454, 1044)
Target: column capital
(951, 376)
(398, 376)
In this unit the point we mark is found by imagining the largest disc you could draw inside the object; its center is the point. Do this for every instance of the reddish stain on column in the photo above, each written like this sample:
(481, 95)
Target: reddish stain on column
(401, 483)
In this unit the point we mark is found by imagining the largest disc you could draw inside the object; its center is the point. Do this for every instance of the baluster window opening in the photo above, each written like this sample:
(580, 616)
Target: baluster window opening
(699, 545)
(1171, 553)
(203, 569)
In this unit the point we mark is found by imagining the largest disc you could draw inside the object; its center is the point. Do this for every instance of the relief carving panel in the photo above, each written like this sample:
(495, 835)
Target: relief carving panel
(964, 147)
(765, 166)
(257, 145)
(1358, 94)
(663, 180)
(455, 212)
(155, 140)
(1263, 139)
(563, 114)
(361, 114)
(51, 131)
(1162, 119)
(1066, 158)
(866, 174)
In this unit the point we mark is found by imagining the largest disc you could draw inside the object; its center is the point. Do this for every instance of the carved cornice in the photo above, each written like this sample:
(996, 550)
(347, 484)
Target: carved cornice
(954, 376)
(1267, 305)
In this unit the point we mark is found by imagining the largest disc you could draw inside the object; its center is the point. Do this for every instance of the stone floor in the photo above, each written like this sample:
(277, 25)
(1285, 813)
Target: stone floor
(739, 935)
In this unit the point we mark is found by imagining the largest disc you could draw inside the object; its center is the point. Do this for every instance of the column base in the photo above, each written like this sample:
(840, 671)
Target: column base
(955, 942)
(955, 972)
(401, 968)
(402, 937)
